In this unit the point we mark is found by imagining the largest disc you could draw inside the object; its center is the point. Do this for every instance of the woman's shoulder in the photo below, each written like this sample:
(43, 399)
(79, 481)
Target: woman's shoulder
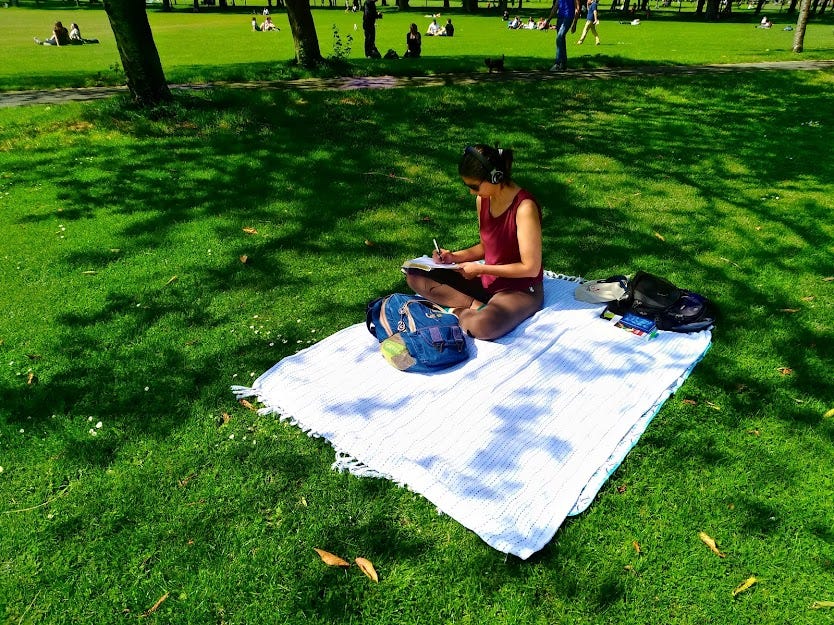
(523, 195)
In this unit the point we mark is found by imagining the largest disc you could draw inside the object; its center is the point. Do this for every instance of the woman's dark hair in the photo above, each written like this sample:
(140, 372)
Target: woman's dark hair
(479, 161)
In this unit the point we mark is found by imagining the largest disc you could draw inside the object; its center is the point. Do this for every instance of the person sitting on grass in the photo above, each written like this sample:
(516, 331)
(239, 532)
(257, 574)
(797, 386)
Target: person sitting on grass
(255, 26)
(433, 29)
(60, 37)
(449, 28)
(491, 298)
(75, 36)
(268, 25)
(413, 43)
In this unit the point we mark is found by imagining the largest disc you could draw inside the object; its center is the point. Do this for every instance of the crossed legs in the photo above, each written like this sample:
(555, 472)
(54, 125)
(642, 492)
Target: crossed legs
(482, 315)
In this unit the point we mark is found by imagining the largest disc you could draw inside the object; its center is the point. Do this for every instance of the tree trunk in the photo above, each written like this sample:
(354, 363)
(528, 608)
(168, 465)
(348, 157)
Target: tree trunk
(712, 10)
(307, 51)
(759, 6)
(137, 50)
(700, 9)
(403, 5)
(801, 23)
(470, 6)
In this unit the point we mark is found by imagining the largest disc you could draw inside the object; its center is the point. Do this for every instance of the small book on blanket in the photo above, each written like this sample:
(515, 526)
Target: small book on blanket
(426, 263)
(641, 326)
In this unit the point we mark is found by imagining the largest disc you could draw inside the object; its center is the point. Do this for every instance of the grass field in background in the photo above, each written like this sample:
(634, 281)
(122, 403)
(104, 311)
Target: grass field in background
(131, 475)
(222, 46)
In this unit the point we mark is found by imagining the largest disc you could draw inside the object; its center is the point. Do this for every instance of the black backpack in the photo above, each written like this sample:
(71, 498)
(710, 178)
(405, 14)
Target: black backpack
(670, 307)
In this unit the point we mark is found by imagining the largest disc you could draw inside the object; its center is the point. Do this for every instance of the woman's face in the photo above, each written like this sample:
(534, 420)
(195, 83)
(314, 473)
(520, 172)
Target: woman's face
(478, 187)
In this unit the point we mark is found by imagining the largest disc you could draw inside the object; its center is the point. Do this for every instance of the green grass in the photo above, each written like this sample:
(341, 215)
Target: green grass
(221, 46)
(124, 294)
(126, 298)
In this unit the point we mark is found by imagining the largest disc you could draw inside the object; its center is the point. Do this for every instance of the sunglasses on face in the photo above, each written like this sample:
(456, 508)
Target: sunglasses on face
(474, 187)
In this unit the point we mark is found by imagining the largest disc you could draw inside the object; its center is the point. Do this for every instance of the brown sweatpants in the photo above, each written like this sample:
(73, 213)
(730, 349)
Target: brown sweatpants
(501, 311)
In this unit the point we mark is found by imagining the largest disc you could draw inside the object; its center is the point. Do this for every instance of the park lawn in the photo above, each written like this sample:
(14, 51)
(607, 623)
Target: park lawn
(215, 46)
(131, 475)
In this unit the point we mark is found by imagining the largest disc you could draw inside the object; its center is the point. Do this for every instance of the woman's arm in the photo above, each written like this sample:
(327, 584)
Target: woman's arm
(529, 229)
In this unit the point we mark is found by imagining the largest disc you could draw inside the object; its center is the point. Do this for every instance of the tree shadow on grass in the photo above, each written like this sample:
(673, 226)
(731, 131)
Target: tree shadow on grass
(326, 171)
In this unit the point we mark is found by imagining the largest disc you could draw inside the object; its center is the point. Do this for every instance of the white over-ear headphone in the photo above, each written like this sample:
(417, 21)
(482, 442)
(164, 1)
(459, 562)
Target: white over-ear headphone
(496, 174)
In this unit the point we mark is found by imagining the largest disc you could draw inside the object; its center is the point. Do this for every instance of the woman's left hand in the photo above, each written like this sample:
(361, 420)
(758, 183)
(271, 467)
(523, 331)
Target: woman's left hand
(470, 270)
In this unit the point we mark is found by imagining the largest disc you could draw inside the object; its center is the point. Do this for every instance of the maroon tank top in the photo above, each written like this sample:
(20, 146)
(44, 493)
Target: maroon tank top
(500, 238)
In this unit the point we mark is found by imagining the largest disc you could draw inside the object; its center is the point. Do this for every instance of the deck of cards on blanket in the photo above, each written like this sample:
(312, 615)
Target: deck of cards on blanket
(509, 442)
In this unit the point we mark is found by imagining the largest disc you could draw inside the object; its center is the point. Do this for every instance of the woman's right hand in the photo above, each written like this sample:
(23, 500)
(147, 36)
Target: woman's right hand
(445, 257)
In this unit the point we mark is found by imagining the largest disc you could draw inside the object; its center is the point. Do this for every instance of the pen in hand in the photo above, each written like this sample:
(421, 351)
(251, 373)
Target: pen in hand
(436, 248)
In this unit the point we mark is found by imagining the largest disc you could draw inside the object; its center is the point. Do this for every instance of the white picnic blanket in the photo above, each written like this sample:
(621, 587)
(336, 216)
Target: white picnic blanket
(508, 443)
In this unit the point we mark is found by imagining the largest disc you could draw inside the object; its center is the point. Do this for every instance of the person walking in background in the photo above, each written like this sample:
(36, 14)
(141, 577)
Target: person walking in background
(413, 43)
(591, 22)
(369, 17)
(566, 12)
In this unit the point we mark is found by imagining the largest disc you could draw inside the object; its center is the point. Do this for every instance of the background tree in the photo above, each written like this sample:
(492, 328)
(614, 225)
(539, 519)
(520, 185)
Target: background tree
(307, 51)
(137, 50)
(801, 23)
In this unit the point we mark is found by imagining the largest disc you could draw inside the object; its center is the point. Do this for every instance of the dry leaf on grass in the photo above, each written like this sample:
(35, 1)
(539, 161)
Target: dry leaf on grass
(156, 605)
(367, 568)
(31, 379)
(747, 583)
(822, 604)
(690, 402)
(244, 258)
(172, 280)
(789, 310)
(330, 559)
(636, 546)
(659, 236)
(785, 370)
(828, 414)
(709, 542)
(247, 404)
(250, 230)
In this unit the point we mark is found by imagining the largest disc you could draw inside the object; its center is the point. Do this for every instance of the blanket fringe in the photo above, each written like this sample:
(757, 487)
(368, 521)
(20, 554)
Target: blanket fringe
(243, 391)
(345, 462)
(561, 276)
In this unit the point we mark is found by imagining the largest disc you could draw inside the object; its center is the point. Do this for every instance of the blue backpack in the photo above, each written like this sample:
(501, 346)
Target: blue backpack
(414, 334)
